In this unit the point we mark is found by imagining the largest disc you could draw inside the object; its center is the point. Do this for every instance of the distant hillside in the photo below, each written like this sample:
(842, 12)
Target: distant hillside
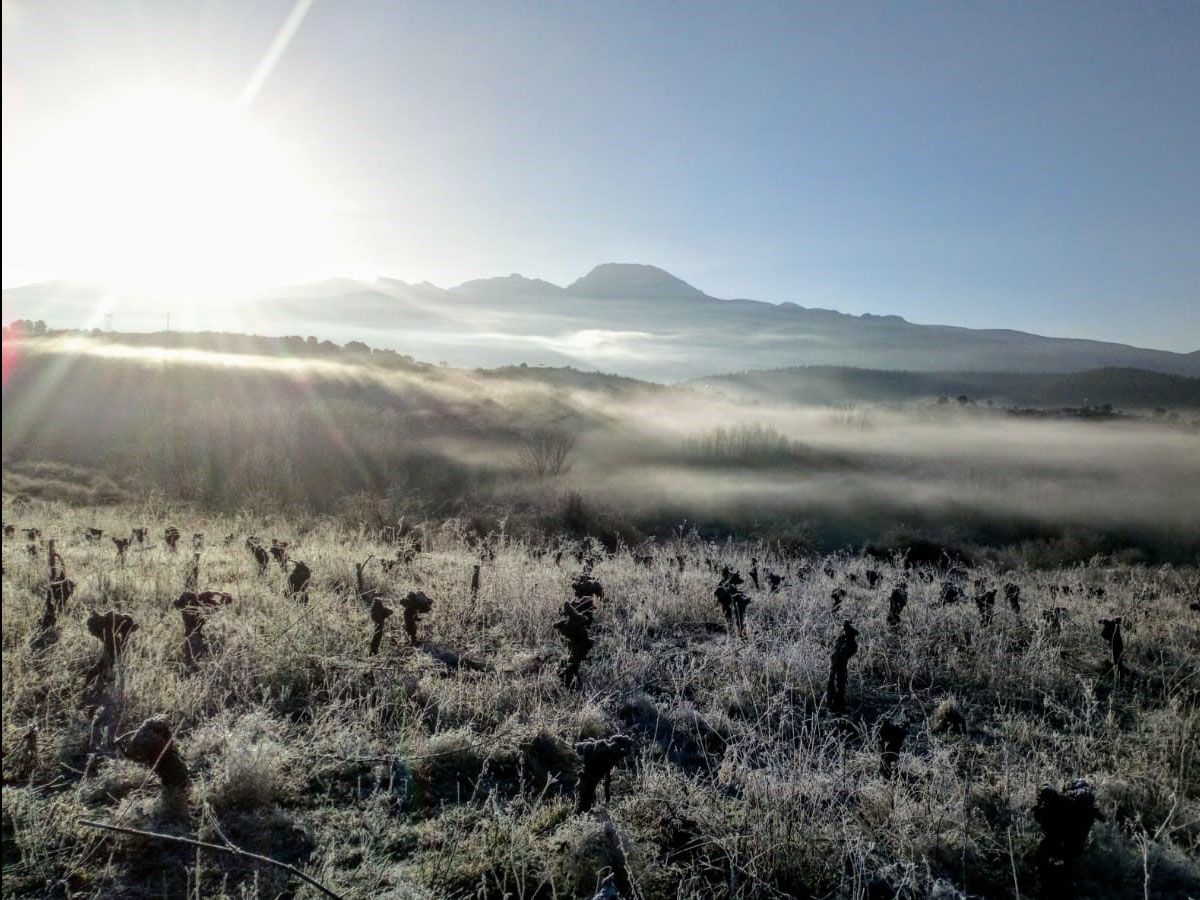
(1126, 389)
(636, 320)
(223, 416)
(567, 377)
(237, 422)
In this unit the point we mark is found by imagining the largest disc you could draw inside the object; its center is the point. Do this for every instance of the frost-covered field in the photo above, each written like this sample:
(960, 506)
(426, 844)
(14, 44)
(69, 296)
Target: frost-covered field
(449, 767)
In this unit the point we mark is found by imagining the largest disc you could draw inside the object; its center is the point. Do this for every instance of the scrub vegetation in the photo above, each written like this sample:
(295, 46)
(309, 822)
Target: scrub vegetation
(448, 763)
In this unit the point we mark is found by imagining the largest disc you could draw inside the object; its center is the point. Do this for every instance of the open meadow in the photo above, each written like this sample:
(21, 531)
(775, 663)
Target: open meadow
(636, 741)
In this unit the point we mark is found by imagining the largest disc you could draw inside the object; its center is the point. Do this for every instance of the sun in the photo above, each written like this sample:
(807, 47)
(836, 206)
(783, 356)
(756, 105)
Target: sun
(167, 192)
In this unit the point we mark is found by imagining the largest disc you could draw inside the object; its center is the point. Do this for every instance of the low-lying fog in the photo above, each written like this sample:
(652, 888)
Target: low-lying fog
(1107, 474)
(653, 453)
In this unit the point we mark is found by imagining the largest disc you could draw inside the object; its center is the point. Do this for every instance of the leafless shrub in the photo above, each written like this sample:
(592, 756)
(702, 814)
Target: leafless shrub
(1012, 593)
(415, 604)
(896, 604)
(573, 626)
(153, 745)
(891, 739)
(60, 588)
(545, 452)
(112, 629)
(298, 580)
(379, 616)
(599, 757)
(1110, 632)
(844, 648)
(194, 609)
(1066, 819)
(261, 557)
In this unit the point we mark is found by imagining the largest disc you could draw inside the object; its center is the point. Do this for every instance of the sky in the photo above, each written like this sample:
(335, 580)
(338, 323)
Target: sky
(1026, 166)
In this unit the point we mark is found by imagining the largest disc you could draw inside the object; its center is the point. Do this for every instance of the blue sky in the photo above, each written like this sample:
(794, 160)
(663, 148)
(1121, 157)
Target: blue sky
(1030, 166)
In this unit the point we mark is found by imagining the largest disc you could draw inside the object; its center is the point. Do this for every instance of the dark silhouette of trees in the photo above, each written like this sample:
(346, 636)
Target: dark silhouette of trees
(545, 452)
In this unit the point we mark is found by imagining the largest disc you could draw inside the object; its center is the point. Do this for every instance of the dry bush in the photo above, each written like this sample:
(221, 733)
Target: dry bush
(546, 452)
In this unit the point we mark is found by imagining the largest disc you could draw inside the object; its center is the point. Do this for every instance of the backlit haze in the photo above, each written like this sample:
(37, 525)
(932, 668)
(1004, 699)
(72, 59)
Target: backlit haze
(981, 165)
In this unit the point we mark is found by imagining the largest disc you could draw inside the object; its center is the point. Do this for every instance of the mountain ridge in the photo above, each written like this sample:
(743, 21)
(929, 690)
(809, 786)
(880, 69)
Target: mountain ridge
(632, 318)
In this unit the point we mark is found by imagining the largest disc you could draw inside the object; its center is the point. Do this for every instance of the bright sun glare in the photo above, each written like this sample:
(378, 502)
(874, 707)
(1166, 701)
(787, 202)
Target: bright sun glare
(170, 193)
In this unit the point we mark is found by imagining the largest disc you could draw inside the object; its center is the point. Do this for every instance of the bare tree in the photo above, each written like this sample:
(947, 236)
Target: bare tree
(545, 452)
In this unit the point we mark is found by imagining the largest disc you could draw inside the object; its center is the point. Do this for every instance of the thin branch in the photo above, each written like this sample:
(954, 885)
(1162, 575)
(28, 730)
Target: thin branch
(292, 870)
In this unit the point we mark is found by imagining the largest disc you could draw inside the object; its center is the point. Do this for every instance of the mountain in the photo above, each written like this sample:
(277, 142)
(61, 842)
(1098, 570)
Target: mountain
(509, 286)
(636, 320)
(633, 281)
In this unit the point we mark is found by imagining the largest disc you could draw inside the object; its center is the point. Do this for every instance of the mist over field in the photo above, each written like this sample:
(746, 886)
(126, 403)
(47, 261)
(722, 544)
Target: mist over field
(919, 463)
(225, 420)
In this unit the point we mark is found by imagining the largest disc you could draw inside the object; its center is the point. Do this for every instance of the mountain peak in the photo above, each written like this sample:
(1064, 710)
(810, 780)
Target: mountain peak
(505, 284)
(632, 280)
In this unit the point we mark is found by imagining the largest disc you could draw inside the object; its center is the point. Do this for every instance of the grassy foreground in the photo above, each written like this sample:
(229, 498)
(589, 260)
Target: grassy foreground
(448, 768)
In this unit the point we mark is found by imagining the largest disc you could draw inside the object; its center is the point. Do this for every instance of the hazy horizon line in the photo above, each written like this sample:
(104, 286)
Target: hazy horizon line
(372, 282)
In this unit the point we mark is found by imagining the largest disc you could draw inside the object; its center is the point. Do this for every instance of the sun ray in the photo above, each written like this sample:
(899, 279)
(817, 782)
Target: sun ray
(274, 53)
